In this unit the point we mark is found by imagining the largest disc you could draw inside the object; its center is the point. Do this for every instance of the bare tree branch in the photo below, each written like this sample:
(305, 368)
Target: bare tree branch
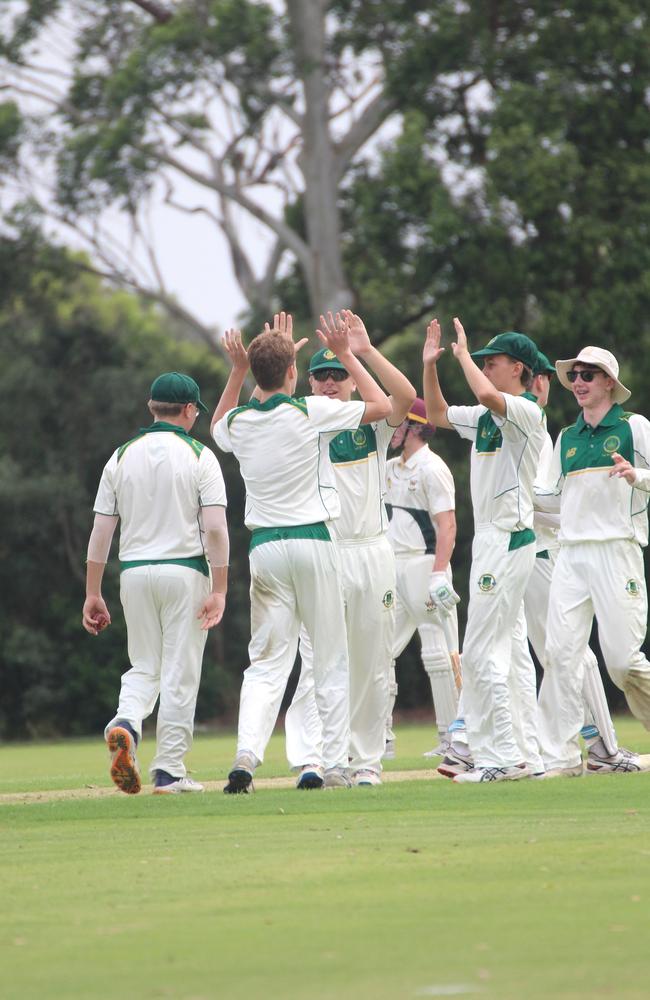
(157, 11)
(376, 112)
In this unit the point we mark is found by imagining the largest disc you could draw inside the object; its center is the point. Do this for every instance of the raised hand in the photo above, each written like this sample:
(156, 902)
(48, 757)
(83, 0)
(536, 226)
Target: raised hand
(232, 345)
(359, 339)
(432, 349)
(460, 347)
(283, 324)
(334, 333)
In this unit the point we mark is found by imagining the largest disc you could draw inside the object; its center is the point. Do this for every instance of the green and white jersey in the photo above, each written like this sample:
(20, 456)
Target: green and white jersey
(157, 483)
(282, 446)
(359, 460)
(417, 489)
(595, 507)
(546, 526)
(504, 460)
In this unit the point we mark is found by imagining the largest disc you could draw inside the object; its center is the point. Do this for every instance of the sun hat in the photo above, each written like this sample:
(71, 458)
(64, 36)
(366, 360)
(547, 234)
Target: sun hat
(600, 358)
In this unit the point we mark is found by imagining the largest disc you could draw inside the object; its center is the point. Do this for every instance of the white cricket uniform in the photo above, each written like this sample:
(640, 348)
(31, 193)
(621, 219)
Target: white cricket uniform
(368, 577)
(597, 719)
(418, 489)
(504, 462)
(282, 446)
(599, 571)
(158, 483)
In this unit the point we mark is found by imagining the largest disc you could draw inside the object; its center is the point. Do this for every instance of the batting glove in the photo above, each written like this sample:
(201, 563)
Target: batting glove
(442, 595)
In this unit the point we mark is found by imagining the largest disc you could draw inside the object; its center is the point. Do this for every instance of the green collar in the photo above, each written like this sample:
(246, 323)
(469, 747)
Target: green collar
(529, 395)
(160, 425)
(270, 404)
(610, 419)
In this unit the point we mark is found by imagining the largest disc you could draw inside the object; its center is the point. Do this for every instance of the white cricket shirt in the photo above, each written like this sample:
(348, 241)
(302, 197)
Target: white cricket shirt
(359, 460)
(157, 484)
(282, 446)
(416, 490)
(504, 459)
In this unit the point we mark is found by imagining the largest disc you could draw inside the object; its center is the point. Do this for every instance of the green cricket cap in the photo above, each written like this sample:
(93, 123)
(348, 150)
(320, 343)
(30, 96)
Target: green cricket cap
(515, 345)
(174, 387)
(543, 366)
(325, 359)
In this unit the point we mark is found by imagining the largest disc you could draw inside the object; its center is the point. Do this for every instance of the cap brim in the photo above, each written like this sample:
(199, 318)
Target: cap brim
(327, 366)
(620, 393)
(201, 405)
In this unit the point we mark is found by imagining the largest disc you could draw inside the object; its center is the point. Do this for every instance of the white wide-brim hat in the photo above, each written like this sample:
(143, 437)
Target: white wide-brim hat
(601, 358)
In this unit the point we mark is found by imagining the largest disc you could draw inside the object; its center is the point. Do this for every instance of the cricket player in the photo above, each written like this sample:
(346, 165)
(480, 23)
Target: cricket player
(282, 446)
(603, 752)
(420, 500)
(367, 568)
(507, 430)
(599, 569)
(167, 490)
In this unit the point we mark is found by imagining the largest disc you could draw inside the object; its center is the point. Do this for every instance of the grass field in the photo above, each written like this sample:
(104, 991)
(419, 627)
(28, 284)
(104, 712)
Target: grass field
(417, 889)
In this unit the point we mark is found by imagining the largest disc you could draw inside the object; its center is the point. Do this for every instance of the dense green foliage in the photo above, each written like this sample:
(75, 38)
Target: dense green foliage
(76, 363)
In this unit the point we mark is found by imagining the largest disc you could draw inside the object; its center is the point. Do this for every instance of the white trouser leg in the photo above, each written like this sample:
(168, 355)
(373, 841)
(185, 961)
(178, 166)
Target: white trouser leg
(497, 583)
(570, 615)
(523, 694)
(302, 725)
(389, 733)
(596, 710)
(403, 629)
(369, 585)
(166, 646)
(437, 663)
(618, 587)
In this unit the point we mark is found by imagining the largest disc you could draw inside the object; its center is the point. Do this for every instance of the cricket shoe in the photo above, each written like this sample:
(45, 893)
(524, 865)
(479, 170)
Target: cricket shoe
(389, 750)
(454, 764)
(124, 765)
(240, 779)
(622, 762)
(563, 772)
(365, 776)
(311, 776)
(441, 750)
(492, 774)
(178, 787)
(337, 777)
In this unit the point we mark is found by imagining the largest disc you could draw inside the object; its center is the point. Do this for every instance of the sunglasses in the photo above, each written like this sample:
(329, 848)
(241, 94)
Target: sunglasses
(337, 374)
(585, 376)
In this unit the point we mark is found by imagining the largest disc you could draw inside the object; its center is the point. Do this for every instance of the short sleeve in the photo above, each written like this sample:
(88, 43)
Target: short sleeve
(464, 420)
(522, 414)
(212, 489)
(332, 415)
(106, 499)
(440, 489)
(221, 433)
(640, 428)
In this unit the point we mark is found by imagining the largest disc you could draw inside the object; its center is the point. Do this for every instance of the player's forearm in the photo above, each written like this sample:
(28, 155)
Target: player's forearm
(435, 402)
(395, 383)
(481, 386)
(94, 577)
(230, 395)
(378, 405)
(217, 546)
(445, 524)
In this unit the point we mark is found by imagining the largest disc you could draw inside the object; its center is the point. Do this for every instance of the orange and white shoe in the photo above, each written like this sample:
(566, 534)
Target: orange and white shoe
(125, 772)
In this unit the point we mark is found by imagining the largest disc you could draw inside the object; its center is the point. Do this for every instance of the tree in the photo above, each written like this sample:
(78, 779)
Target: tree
(76, 362)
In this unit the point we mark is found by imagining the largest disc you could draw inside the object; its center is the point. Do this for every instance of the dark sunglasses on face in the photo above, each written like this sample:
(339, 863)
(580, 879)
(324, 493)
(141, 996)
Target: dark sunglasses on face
(585, 376)
(337, 374)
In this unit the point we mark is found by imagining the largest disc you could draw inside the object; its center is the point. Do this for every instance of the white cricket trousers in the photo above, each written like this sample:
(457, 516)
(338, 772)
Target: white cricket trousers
(165, 647)
(498, 579)
(412, 575)
(368, 576)
(596, 710)
(295, 580)
(605, 579)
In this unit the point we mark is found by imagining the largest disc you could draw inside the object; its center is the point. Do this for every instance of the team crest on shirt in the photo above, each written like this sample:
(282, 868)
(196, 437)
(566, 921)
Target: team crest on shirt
(611, 444)
(487, 582)
(570, 453)
(388, 599)
(413, 485)
(633, 588)
(359, 437)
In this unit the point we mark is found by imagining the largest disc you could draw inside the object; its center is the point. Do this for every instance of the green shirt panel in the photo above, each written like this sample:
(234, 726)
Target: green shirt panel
(586, 447)
(352, 446)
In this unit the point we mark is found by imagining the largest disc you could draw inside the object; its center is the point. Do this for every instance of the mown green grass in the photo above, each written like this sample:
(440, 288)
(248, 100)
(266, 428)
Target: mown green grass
(420, 888)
